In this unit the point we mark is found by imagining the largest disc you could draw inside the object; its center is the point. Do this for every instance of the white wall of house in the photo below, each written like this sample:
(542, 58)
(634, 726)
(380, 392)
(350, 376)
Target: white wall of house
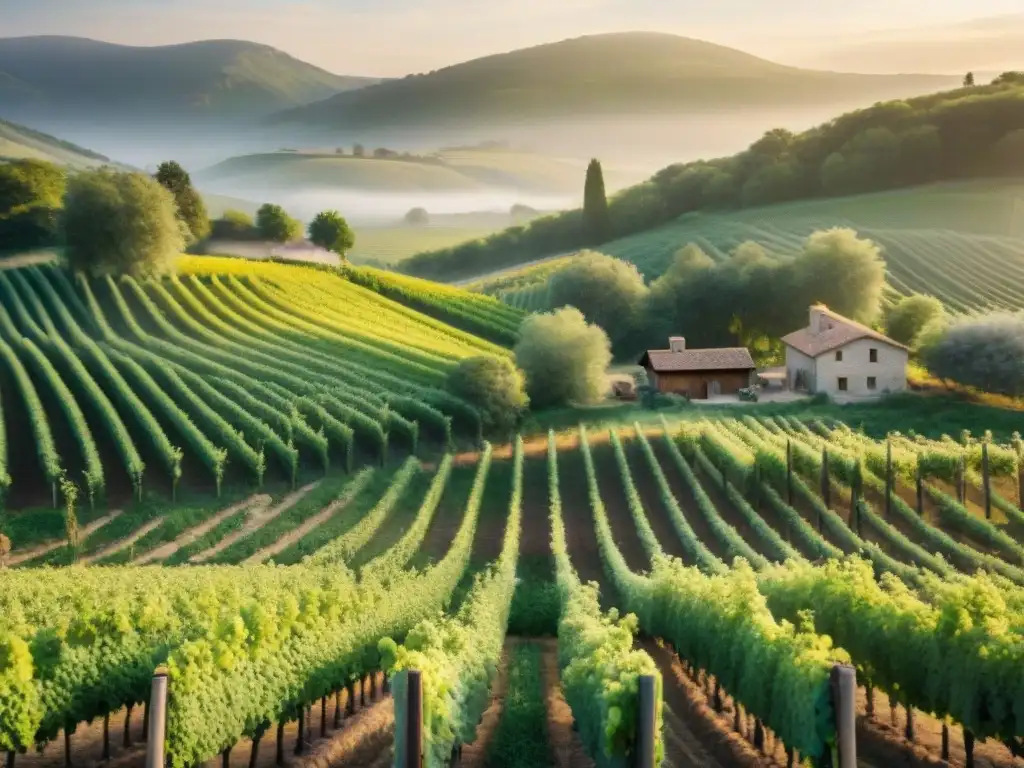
(889, 372)
(798, 361)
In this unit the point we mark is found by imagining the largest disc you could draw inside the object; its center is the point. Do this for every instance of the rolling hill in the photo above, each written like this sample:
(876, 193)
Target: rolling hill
(600, 74)
(19, 143)
(75, 76)
(446, 171)
(961, 242)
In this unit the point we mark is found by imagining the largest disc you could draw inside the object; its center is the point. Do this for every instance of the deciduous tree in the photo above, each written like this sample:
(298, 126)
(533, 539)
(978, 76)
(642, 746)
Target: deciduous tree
(910, 315)
(329, 230)
(984, 352)
(495, 386)
(417, 217)
(274, 224)
(564, 358)
(120, 223)
(608, 291)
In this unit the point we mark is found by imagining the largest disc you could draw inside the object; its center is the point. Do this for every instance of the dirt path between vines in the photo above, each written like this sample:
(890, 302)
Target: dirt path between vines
(620, 517)
(475, 755)
(165, 551)
(348, 495)
(882, 740)
(16, 557)
(566, 747)
(122, 544)
(254, 520)
(694, 734)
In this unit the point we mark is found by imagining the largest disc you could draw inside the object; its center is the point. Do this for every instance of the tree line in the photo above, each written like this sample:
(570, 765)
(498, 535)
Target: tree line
(970, 132)
(751, 299)
(124, 221)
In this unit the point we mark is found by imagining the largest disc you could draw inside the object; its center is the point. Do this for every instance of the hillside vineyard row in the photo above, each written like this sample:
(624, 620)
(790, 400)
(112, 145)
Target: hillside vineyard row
(229, 364)
(763, 551)
(931, 618)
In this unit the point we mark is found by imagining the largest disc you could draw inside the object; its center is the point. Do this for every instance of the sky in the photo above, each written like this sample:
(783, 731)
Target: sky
(395, 37)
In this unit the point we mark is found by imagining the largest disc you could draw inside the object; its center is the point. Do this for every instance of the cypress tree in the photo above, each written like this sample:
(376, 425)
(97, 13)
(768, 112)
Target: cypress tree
(596, 223)
(191, 208)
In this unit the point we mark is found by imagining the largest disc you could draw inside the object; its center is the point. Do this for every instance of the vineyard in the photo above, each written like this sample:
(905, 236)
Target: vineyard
(962, 243)
(229, 374)
(474, 312)
(753, 556)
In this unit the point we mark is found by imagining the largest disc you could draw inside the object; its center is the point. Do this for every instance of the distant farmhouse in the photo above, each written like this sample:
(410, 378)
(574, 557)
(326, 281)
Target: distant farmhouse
(698, 373)
(843, 359)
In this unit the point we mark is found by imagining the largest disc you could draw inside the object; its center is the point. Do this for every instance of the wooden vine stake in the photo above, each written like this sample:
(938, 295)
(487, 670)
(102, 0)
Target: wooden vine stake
(789, 472)
(825, 486)
(407, 688)
(888, 478)
(855, 492)
(646, 722)
(961, 480)
(986, 477)
(157, 732)
(969, 748)
(920, 490)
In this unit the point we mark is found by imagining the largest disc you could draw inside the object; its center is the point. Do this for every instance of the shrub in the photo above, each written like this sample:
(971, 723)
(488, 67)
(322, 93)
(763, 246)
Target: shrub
(417, 217)
(985, 352)
(495, 386)
(909, 317)
(120, 223)
(234, 225)
(276, 225)
(608, 291)
(564, 358)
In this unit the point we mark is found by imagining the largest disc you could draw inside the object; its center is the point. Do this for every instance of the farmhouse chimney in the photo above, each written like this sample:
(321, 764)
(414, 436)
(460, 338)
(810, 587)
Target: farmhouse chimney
(819, 320)
(677, 343)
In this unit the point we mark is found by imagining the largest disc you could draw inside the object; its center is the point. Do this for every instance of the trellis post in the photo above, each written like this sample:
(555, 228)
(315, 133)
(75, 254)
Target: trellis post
(645, 730)
(157, 732)
(844, 703)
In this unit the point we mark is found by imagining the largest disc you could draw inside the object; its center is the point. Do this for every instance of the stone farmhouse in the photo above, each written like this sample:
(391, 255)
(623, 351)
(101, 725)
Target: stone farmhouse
(843, 359)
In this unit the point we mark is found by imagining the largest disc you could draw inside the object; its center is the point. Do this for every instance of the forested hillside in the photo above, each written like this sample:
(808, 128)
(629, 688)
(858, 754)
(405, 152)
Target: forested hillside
(971, 132)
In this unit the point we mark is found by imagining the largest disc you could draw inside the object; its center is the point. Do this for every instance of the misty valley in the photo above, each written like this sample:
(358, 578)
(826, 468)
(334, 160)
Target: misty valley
(498, 386)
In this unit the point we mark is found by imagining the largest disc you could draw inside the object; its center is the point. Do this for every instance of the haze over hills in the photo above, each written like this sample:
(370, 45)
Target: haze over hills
(76, 77)
(987, 45)
(19, 143)
(611, 74)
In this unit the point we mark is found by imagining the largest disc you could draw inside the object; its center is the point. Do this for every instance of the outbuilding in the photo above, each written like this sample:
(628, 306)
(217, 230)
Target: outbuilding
(698, 373)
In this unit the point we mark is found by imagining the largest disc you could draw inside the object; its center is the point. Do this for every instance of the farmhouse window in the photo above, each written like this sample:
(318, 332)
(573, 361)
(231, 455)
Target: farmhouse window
(842, 383)
(872, 383)
(839, 355)
(873, 355)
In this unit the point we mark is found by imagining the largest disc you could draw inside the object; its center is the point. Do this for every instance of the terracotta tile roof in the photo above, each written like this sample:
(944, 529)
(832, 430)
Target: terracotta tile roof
(845, 331)
(726, 359)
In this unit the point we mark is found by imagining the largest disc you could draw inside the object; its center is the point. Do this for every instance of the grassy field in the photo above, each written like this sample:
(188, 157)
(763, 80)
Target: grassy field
(462, 170)
(389, 245)
(963, 243)
(20, 143)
